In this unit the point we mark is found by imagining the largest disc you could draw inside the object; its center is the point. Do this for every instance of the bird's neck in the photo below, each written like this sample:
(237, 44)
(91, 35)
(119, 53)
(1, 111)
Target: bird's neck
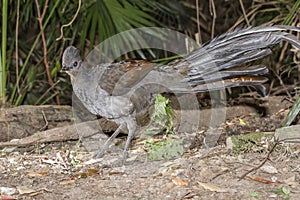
(73, 73)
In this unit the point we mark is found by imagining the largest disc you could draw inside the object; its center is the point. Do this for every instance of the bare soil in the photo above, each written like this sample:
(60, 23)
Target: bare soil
(61, 170)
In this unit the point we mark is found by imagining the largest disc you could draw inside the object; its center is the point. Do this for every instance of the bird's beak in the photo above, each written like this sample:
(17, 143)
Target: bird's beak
(64, 68)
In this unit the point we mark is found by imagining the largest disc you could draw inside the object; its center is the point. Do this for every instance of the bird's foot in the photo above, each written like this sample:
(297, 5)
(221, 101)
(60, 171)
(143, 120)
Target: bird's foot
(117, 163)
(99, 153)
(123, 160)
(107, 143)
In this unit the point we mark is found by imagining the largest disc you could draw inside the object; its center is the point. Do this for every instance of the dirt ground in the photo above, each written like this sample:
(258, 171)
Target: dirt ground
(61, 170)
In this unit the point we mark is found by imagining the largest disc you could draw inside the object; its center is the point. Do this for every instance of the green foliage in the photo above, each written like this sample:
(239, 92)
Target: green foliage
(3, 51)
(254, 194)
(162, 117)
(164, 149)
(252, 142)
(163, 113)
(96, 21)
(295, 110)
(291, 15)
(283, 192)
(103, 19)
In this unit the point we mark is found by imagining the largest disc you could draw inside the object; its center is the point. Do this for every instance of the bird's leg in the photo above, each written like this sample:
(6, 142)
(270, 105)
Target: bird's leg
(131, 126)
(105, 146)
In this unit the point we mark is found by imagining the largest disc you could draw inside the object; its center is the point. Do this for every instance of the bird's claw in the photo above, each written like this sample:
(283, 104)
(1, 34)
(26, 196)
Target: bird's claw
(123, 160)
(99, 153)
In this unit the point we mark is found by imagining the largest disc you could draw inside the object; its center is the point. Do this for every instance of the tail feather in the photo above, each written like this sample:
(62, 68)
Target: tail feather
(235, 48)
(255, 81)
(211, 67)
(223, 61)
(235, 82)
(256, 70)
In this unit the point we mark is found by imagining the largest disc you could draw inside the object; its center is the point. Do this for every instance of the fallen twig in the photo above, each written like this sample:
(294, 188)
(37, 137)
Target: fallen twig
(262, 163)
(277, 142)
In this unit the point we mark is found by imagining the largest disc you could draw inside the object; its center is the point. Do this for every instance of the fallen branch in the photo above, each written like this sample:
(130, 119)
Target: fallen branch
(263, 162)
(59, 134)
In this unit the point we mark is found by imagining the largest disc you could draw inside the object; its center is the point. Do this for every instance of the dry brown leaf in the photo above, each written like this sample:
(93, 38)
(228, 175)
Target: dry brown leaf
(230, 123)
(7, 197)
(180, 182)
(91, 172)
(264, 180)
(115, 172)
(212, 187)
(41, 173)
(35, 193)
(280, 111)
(67, 182)
(25, 190)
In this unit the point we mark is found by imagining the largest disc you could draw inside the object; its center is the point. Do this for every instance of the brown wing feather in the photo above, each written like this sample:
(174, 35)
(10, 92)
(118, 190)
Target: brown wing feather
(120, 77)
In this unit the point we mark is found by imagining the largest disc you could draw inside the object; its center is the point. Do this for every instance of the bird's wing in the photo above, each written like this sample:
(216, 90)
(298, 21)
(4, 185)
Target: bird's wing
(119, 78)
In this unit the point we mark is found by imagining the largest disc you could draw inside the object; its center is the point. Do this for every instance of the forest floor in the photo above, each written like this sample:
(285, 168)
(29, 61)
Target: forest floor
(63, 169)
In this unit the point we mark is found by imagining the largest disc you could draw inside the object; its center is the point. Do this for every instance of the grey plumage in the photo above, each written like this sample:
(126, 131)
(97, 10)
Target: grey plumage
(121, 91)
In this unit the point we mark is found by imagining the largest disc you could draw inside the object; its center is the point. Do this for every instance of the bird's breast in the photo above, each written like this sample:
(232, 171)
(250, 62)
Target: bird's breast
(99, 102)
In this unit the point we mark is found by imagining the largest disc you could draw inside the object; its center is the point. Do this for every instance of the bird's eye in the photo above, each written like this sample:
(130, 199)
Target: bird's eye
(75, 64)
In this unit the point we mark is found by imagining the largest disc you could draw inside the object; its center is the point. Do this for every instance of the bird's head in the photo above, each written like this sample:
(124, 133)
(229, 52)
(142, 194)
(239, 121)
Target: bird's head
(71, 60)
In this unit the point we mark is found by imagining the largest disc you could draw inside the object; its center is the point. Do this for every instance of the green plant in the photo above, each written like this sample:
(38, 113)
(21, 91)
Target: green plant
(33, 48)
(162, 117)
(164, 149)
(24, 75)
(163, 113)
(284, 192)
(3, 52)
(254, 194)
(295, 110)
